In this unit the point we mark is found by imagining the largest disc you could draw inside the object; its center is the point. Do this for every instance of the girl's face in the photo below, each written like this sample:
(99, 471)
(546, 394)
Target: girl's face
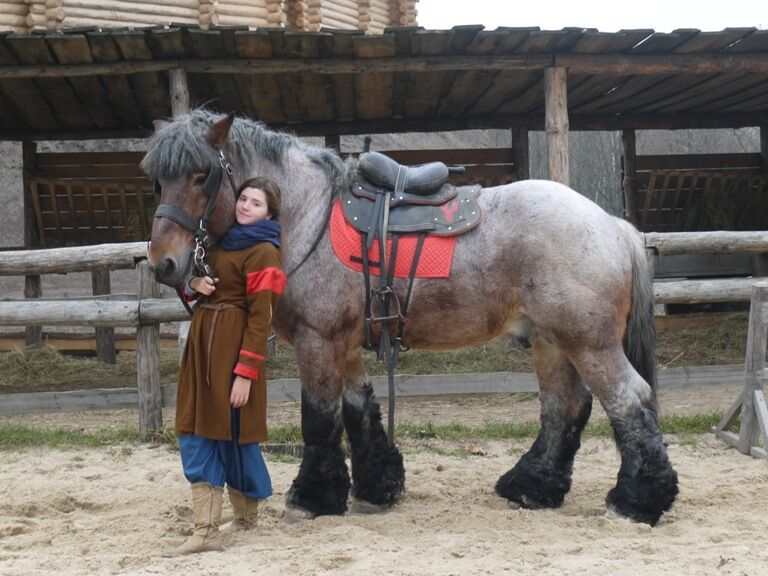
(252, 206)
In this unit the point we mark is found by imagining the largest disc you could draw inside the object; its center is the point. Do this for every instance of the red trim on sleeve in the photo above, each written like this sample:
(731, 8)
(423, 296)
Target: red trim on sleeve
(272, 279)
(246, 371)
(253, 355)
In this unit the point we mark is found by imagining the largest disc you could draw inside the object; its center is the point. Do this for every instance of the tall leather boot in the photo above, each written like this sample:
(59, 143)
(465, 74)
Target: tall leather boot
(245, 510)
(206, 514)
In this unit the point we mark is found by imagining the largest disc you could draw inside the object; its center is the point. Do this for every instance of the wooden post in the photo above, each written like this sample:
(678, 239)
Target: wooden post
(520, 152)
(180, 106)
(179, 91)
(751, 403)
(333, 141)
(629, 175)
(556, 121)
(33, 335)
(148, 359)
(764, 147)
(105, 337)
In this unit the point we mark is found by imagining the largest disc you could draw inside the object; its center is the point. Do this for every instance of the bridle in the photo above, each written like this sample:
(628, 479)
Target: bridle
(199, 228)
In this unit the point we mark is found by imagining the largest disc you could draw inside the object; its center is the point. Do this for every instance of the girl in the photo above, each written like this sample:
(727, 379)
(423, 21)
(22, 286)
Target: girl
(222, 397)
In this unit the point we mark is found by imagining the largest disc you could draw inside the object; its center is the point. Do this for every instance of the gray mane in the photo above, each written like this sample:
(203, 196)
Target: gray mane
(179, 148)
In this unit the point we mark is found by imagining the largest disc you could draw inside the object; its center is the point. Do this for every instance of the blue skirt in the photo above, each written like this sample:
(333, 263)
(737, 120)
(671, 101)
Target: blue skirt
(220, 462)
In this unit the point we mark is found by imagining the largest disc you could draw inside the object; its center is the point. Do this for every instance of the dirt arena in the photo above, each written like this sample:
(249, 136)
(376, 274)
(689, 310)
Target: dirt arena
(117, 510)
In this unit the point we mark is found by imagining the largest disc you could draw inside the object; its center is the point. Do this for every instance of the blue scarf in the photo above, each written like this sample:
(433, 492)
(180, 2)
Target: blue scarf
(240, 237)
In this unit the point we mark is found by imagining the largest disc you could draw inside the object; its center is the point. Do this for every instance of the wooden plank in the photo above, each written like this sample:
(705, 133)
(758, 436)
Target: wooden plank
(757, 336)
(150, 89)
(713, 41)
(701, 291)
(594, 42)
(695, 93)
(95, 171)
(729, 418)
(343, 85)
(117, 89)
(406, 385)
(24, 95)
(220, 89)
(520, 152)
(697, 161)
(629, 176)
(74, 49)
(529, 100)
(33, 49)
(755, 42)
(453, 156)
(762, 414)
(88, 158)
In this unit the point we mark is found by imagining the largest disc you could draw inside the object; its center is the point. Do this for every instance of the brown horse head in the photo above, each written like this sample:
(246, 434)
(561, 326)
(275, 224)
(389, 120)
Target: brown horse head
(187, 177)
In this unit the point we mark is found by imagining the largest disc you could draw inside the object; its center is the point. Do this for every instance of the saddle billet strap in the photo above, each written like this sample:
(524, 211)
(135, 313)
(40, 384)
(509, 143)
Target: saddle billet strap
(367, 279)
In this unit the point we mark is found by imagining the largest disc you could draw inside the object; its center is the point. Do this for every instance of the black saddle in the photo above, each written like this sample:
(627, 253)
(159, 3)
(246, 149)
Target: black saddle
(418, 199)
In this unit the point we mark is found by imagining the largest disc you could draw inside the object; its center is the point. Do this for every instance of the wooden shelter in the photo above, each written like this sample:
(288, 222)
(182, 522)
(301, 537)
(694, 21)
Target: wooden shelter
(107, 83)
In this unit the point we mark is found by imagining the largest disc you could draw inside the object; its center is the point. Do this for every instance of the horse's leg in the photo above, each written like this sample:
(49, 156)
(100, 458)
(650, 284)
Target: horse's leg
(378, 475)
(322, 484)
(647, 484)
(542, 477)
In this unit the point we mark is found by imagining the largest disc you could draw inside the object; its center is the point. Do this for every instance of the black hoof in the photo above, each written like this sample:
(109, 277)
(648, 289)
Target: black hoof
(322, 485)
(643, 499)
(533, 486)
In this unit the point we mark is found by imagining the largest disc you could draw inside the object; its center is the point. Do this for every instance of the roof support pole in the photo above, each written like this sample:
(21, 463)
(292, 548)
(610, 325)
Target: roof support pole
(764, 147)
(520, 153)
(33, 335)
(629, 175)
(556, 122)
(179, 91)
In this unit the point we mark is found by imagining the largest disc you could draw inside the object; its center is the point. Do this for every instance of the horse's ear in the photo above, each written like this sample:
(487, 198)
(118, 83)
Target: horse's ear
(160, 124)
(217, 134)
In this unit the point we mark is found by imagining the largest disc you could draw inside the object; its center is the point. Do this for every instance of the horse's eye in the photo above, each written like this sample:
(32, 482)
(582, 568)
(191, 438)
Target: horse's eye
(200, 179)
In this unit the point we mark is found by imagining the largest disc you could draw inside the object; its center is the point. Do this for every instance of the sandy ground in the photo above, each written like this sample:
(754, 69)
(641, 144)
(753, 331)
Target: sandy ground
(117, 510)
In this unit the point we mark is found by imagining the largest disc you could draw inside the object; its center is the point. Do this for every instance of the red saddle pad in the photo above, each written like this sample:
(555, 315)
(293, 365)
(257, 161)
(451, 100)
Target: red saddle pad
(435, 260)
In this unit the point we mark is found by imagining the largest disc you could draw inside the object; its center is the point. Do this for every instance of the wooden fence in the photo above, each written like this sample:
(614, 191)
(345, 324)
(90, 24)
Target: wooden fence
(146, 309)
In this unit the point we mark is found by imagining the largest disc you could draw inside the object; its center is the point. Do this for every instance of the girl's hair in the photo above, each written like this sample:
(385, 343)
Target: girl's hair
(271, 191)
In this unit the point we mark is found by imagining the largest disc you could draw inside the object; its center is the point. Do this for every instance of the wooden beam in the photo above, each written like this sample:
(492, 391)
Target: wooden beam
(74, 259)
(556, 104)
(645, 64)
(719, 242)
(249, 66)
(764, 146)
(624, 64)
(443, 124)
(629, 179)
(520, 152)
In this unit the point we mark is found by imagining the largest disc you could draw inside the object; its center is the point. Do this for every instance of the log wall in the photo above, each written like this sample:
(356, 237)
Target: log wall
(371, 16)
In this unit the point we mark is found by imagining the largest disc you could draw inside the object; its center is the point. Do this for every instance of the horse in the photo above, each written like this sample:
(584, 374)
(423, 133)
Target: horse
(546, 266)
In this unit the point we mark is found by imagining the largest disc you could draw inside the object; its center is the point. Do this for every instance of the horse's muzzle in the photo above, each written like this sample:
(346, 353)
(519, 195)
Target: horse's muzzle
(169, 272)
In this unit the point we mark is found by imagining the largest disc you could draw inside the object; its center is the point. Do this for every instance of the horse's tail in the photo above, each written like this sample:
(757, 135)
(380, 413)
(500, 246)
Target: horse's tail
(640, 337)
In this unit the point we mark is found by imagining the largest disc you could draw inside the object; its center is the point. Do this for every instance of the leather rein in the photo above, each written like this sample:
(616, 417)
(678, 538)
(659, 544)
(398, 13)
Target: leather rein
(199, 228)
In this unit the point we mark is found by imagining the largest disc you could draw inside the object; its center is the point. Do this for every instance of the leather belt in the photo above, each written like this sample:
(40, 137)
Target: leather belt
(217, 308)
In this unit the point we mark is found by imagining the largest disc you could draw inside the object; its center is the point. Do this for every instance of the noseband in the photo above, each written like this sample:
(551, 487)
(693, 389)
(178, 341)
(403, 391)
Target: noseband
(199, 228)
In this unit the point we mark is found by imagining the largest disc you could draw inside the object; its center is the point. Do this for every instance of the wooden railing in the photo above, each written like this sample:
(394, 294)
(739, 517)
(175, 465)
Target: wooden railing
(146, 309)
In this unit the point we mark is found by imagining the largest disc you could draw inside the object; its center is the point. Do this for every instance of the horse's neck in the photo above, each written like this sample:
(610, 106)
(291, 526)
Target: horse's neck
(306, 197)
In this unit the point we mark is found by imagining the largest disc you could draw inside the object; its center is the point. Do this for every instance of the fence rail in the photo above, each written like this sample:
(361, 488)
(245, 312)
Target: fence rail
(146, 310)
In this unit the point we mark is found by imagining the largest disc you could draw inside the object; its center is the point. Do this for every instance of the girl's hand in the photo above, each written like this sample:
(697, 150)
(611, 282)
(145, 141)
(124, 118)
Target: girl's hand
(241, 389)
(205, 285)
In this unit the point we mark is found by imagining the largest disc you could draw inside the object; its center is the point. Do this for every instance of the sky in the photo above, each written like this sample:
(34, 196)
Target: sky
(660, 15)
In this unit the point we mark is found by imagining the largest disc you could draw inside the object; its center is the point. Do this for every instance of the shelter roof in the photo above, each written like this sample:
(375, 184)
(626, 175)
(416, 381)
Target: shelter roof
(92, 83)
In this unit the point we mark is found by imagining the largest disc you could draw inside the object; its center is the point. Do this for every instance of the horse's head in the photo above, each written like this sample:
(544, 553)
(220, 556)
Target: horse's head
(187, 159)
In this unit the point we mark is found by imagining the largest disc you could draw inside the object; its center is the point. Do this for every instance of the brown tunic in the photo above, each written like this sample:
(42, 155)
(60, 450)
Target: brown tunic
(228, 336)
